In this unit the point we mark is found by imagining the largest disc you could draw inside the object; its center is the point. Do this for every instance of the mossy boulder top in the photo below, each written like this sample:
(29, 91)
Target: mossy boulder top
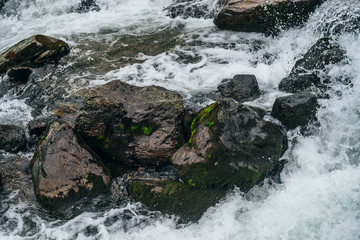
(136, 126)
(264, 16)
(64, 169)
(33, 52)
(231, 145)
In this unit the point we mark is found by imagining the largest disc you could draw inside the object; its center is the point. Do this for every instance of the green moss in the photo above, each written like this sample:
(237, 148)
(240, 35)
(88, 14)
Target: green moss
(134, 128)
(122, 127)
(100, 138)
(209, 124)
(191, 183)
(146, 130)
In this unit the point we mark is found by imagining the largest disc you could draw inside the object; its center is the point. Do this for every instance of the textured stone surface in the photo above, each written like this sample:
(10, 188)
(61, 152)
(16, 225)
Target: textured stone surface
(310, 70)
(231, 145)
(12, 138)
(33, 52)
(295, 110)
(266, 16)
(242, 88)
(64, 170)
(136, 126)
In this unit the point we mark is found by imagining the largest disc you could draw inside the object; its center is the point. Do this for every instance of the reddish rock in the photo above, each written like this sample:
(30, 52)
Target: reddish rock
(265, 16)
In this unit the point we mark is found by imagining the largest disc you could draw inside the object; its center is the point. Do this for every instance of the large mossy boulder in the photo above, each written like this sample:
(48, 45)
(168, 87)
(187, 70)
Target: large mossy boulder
(12, 138)
(34, 51)
(264, 16)
(295, 110)
(174, 197)
(311, 70)
(64, 170)
(230, 145)
(135, 126)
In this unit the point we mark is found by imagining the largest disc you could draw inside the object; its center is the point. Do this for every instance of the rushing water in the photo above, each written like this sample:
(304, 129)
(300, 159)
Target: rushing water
(319, 197)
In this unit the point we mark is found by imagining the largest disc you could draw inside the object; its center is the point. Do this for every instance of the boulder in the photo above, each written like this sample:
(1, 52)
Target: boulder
(310, 70)
(38, 126)
(87, 6)
(19, 74)
(33, 52)
(263, 16)
(65, 170)
(12, 138)
(135, 126)
(242, 88)
(230, 145)
(295, 110)
(174, 197)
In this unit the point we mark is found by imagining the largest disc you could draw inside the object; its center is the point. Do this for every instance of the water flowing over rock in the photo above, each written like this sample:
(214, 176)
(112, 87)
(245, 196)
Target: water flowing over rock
(12, 138)
(192, 8)
(64, 170)
(136, 126)
(87, 6)
(2, 3)
(264, 16)
(33, 52)
(295, 110)
(241, 88)
(231, 145)
(311, 70)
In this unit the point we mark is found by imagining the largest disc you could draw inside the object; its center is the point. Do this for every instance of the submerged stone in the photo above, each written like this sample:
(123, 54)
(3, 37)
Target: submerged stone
(295, 110)
(135, 126)
(264, 16)
(310, 70)
(34, 51)
(64, 170)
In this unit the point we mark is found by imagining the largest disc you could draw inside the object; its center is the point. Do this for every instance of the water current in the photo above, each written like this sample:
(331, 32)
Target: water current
(135, 41)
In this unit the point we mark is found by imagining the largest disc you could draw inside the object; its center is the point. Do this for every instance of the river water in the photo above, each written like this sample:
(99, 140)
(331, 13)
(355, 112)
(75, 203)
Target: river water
(134, 40)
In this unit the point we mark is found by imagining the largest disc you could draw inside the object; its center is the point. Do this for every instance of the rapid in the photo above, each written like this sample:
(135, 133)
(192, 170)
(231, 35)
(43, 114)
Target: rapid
(319, 193)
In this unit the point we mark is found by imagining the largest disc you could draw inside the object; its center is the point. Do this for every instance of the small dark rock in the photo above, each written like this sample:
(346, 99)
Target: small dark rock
(310, 71)
(2, 3)
(242, 88)
(39, 125)
(12, 138)
(65, 170)
(188, 8)
(295, 110)
(19, 74)
(87, 6)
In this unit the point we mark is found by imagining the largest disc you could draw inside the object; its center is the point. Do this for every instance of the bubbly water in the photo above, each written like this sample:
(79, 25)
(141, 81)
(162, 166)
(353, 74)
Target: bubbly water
(319, 197)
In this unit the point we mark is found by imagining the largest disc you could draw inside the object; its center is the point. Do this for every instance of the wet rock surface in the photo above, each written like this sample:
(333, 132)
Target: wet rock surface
(231, 145)
(191, 9)
(264, 16)
(311, 70)
(87, 6)
(136, 126)
(19, 74)
(242, 88)
(12, 138)
(295, 110)
(34, 51)
(15, 176)
(64, 171)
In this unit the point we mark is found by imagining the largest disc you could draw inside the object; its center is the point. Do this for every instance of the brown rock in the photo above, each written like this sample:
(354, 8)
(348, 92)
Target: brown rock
(136, 126)
(265, 16)
(64, 170)
(33, 52)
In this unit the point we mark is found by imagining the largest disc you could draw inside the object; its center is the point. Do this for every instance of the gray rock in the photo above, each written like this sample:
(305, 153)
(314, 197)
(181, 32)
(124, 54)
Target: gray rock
(295, 110)
(242, 88)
